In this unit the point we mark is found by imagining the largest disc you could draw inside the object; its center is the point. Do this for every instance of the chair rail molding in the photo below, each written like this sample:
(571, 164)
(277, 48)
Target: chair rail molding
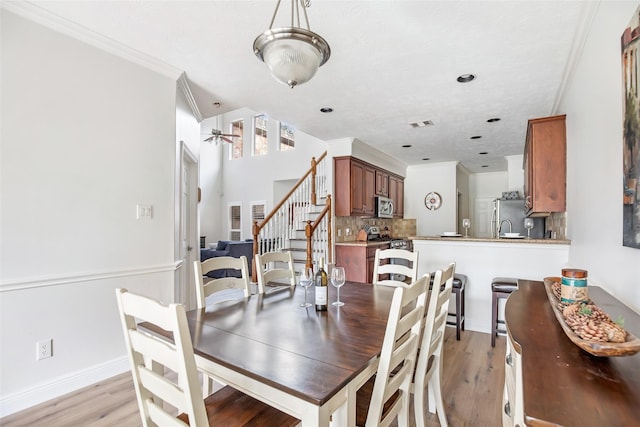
(38, 282)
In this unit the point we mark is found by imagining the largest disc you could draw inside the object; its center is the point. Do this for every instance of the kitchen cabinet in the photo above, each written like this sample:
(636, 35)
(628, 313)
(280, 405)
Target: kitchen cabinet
(354, 187)
(545, 162)
(357, 183)
(358, 260)
(396, 193)
(382, 183)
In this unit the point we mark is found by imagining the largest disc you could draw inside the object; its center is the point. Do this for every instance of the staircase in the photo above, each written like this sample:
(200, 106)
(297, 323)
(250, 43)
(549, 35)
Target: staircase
(301, 221)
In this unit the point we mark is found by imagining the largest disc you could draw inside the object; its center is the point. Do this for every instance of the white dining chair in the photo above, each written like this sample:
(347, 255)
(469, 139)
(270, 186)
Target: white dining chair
(390, 262)
(159, 396)
(428, 375)
(275, 268)
(386, 396)
(206, 286)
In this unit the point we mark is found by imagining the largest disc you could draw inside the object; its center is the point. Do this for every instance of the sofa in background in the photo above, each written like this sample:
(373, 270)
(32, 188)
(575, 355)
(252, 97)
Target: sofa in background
(230, 248)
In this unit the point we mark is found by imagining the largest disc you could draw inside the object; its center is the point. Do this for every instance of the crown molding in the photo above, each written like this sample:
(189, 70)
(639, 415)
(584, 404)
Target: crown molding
(45, 18)
(183, 84)
(577, 46)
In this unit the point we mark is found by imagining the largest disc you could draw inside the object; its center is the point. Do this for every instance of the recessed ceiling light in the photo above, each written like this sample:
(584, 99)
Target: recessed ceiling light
(406, 146)
(483, 152)
(326, 109)
(494, 119)
(475, 137)
(485, 166)
(465, 78)
(426, 158)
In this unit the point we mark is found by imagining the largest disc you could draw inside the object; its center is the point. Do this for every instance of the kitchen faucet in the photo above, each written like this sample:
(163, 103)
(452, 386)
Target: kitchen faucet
(501, 222)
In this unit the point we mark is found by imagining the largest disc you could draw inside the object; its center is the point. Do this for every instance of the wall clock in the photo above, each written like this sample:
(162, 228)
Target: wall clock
(432, 201)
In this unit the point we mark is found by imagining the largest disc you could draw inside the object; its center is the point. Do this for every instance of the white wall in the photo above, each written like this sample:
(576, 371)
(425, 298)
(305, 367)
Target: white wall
(515, 173)
(250, 178)
(86, 136)
(420, 180)
(593, 103)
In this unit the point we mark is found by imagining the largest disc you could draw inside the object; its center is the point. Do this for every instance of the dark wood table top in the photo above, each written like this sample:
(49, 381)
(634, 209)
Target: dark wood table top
(305, 353)
(564, 385)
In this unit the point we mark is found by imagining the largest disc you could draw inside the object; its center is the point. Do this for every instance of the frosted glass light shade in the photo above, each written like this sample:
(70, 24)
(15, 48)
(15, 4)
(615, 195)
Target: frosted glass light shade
(293, 55)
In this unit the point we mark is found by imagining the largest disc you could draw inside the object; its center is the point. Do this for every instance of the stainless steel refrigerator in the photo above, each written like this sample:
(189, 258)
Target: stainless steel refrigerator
(514, 211)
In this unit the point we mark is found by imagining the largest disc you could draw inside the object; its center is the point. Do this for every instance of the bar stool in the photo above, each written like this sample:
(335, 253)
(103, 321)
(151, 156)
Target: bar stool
(459, 284)
(501, 288)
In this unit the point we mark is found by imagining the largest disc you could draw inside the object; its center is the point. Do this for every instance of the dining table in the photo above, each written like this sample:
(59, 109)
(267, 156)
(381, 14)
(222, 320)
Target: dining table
(304, 362)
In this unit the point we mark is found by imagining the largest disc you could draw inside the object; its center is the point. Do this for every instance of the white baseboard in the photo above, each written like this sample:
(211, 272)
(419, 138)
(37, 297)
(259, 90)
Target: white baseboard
(62, 385)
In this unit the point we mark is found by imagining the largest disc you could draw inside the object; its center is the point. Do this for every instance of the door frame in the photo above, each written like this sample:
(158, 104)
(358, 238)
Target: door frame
(187, 219)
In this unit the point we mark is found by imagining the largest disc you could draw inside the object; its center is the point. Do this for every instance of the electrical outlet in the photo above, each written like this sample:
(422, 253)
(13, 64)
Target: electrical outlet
(43, 349)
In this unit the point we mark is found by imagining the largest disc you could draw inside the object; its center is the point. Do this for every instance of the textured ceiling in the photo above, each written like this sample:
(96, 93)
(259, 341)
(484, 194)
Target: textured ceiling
(392, 63)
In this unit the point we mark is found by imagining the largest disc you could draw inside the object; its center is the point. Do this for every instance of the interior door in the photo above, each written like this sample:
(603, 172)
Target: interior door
(189, 247)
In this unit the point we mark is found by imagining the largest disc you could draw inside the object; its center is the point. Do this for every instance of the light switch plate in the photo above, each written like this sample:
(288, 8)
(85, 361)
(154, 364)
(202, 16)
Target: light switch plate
(144, 211)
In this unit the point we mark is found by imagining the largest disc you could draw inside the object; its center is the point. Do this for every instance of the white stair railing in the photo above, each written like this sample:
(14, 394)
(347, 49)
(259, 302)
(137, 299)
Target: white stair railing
(287, 220)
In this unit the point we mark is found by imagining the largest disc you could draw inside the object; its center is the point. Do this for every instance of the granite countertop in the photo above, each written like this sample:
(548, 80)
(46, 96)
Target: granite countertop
(500, 240)
(357, 243)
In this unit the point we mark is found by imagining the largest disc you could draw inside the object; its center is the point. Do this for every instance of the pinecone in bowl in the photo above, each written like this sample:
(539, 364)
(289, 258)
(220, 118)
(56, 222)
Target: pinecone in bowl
(589, 322)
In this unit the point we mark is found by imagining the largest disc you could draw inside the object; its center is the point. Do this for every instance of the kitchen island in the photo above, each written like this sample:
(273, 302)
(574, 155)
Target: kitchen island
(358, 258)
(483, 259)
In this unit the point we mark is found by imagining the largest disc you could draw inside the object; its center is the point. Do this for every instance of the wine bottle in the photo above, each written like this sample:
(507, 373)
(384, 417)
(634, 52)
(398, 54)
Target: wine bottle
(321, 287)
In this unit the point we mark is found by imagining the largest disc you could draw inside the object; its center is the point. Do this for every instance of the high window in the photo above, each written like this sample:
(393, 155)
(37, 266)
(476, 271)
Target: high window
(258, 211)
(237, 128)
(235, 221)
(287, 137)
(260, 124)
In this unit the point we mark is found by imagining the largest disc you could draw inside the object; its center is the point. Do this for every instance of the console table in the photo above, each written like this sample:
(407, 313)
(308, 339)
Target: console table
(555, 381)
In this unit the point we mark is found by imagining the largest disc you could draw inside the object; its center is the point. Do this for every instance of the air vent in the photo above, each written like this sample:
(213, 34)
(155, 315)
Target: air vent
(421, 124)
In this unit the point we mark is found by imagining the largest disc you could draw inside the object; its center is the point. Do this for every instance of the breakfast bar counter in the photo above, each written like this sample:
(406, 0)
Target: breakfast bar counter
(492, 240)
(483, 259)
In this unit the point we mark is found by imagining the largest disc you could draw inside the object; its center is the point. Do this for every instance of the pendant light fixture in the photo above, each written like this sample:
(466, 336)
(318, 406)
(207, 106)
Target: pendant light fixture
(293, 54)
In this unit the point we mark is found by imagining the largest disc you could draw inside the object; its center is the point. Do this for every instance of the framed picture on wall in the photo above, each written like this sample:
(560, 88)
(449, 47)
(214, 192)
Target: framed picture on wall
(630, 44)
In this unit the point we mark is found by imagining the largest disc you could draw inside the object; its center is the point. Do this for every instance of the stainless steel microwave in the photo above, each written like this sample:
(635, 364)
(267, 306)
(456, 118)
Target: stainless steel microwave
(383, 207)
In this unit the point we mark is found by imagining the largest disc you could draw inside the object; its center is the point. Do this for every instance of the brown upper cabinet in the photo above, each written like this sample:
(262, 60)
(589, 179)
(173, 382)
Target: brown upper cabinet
(545, 163)
(396, 193)
(357, 183)
(382, 183)
(354, 187)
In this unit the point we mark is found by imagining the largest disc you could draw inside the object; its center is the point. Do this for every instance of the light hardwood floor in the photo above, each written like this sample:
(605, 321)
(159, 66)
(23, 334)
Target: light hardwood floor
(472, 386)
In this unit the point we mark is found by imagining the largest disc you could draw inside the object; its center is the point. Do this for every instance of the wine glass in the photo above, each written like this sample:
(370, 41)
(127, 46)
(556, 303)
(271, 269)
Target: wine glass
(528, 224)
(306, 279)
(466, 223)
(337, 280)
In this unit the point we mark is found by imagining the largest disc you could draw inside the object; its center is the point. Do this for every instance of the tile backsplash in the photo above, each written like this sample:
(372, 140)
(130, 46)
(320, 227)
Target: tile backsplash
(347, 227)
(557, 223)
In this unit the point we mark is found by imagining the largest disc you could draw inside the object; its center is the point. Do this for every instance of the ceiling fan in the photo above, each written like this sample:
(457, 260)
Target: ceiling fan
(217, 135)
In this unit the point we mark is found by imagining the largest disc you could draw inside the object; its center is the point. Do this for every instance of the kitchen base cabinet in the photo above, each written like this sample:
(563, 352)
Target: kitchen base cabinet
(358, 260)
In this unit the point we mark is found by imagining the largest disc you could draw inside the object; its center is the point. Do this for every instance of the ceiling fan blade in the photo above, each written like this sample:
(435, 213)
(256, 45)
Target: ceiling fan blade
(225, 139)
(230, 135)
(211, 138)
